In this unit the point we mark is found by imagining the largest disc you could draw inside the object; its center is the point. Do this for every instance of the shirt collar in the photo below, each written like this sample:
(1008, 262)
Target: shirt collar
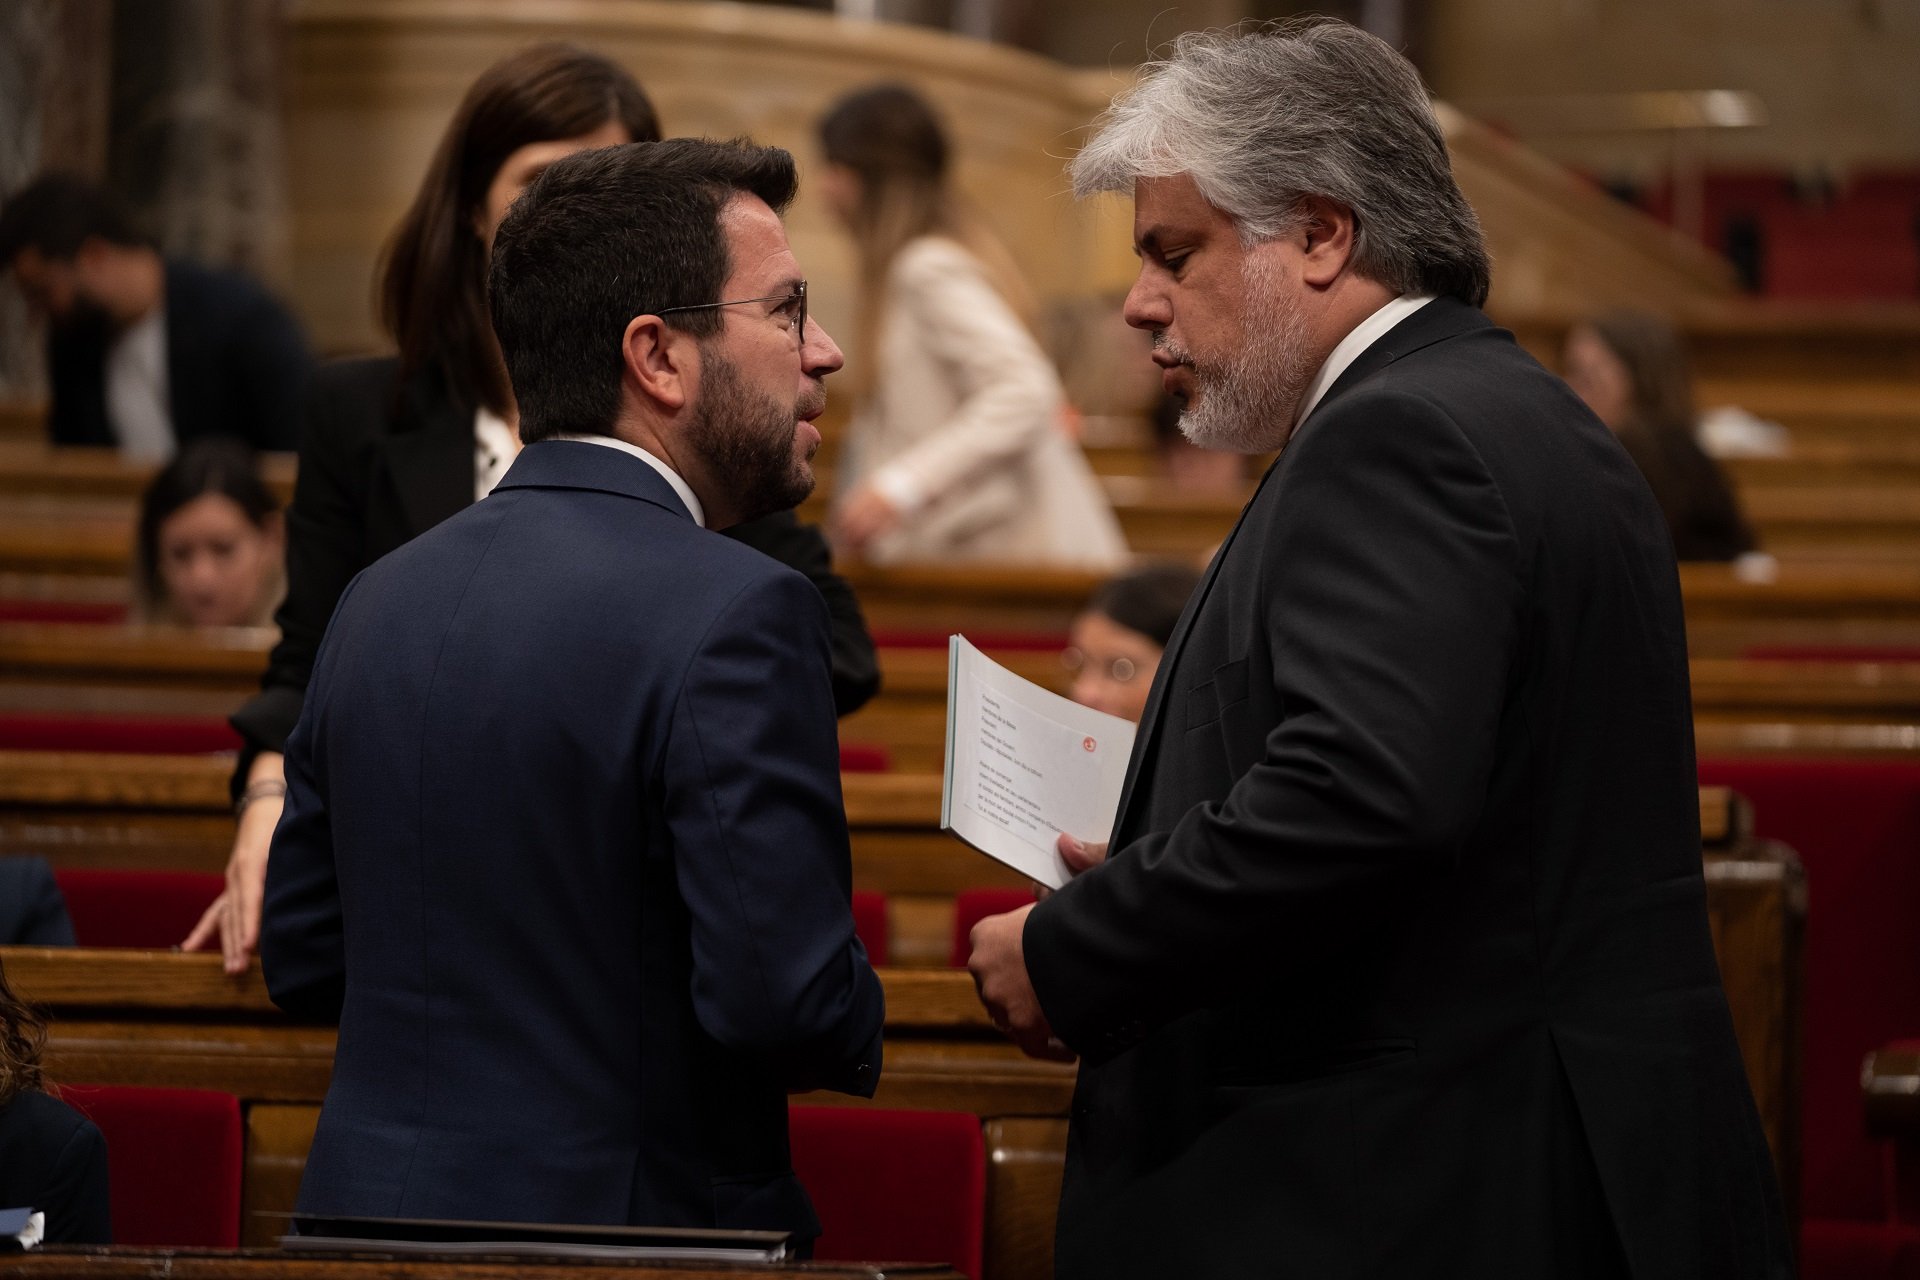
(667, 473)
(1364, 335)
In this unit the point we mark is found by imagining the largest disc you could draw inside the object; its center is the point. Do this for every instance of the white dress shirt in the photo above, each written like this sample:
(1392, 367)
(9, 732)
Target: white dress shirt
(667, 473)
(495, 446)
(138, 406)
(1364, 335)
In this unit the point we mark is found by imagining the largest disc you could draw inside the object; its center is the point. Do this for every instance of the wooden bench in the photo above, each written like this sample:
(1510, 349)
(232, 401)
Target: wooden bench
(34, 468)
(61, 1262)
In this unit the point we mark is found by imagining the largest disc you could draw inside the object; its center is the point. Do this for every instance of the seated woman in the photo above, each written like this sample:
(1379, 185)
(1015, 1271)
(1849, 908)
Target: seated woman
(212, 551)
(1630, 369)
(52, 1158)
(1118, 639)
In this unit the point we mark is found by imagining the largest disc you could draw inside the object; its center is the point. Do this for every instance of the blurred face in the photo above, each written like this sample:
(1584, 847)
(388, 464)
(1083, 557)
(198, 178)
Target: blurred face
(839, 188)
(1113, 666)
(1598, 376)
(1229, 333)
(519, 170)
(215, 563)
(762, 382)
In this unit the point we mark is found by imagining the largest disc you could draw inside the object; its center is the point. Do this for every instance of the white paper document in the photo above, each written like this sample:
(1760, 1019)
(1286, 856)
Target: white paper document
(1025, 764)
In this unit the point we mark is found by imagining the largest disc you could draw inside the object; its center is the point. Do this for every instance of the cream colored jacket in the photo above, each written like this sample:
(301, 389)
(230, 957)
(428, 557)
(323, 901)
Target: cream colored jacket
(962, 430)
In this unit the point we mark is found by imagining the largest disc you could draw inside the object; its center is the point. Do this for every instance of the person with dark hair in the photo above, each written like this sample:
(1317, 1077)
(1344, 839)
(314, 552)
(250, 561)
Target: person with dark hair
(146, 352)
(956, 450)
(1115, 644)
(1630, 368)
(32, 911)
(564, 848)
(1398, 960)
(209, 547)
(393, 446)
(52, 1158)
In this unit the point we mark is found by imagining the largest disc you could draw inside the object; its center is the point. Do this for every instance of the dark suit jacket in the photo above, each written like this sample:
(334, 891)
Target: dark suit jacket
(381, 462)
(32, 912)
(564, 851)
(53, 1159)
(236, 365)
(1402, 946)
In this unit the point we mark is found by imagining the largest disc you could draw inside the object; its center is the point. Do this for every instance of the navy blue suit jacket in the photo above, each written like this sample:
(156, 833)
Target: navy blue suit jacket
(564, 850)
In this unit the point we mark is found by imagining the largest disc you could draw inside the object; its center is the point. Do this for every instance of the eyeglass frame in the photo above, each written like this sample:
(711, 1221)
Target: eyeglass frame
(800, 322)
(1110, 668)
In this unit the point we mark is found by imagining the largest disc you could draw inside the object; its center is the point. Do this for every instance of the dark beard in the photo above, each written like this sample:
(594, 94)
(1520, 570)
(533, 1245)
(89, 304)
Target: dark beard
(745, 441)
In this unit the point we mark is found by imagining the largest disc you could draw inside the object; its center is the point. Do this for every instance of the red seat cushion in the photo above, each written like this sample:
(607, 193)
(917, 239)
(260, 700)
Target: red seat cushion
(864, 757)
(1856, 826)
(870, 923)
(1858, 1251)
(149, 909)
(173, 1163)
(1830, 653)
(971, 906)
(142, 735)
(70, 611)
(894, 1186)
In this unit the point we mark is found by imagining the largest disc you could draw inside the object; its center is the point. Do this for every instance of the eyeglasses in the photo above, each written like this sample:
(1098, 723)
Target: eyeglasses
(793, 308)
(1118, 670)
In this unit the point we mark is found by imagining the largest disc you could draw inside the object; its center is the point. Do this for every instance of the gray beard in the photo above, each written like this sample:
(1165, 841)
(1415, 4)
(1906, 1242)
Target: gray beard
(1247, 404)
(744, 438)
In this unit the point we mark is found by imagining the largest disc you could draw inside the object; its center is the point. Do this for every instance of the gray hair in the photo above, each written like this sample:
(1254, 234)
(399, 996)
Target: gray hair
(1262, 118)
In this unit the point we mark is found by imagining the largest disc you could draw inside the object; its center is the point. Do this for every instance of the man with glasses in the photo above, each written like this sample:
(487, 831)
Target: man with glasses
(564, 846)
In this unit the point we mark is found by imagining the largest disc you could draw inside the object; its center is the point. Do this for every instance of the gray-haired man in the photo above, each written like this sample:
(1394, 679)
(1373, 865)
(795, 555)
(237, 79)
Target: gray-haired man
(1400, 964)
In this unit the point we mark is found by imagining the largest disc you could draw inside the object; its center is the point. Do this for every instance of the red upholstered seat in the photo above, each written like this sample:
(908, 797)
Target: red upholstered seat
(870, 923)
(142, 735)
(1856, 826)
(1831, 653)
(70, 611)
(148, 909)
(894, 1186)
(971, 906)
(864, 757)
(173, 1162)
(1023, 641)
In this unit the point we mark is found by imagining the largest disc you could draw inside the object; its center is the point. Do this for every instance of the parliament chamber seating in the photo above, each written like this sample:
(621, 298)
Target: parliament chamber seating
(906, 1186)
(1856, 826)
(143, 735)
(151, 910)
(174, 1162)
(870, 923)
(970, 907)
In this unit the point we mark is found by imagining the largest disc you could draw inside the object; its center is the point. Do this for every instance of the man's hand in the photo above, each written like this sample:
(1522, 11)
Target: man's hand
(235, 914)
(1080, 855)
(999, 969)
(864, 516)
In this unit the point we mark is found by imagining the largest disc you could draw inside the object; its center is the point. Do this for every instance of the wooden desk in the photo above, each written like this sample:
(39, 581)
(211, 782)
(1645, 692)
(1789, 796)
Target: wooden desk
(34, 468)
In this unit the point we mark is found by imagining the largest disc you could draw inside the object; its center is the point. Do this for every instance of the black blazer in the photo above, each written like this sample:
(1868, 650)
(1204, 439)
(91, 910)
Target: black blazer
(1400, 964)
(237, 365)
(53, 1159)
(565, 853)
(382, 462)
(32, 912)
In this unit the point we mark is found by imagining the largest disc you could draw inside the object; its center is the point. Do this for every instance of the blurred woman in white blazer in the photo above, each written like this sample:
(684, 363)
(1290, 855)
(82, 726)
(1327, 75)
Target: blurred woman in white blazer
(956, 450)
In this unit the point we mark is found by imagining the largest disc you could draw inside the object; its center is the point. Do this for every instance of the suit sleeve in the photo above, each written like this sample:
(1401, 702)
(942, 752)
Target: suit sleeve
(1391, 603)
(326, 547)
(77, 1207)
(302, 940)
(856, 670)
(270, 364)
(759, 833)
(1009, 393)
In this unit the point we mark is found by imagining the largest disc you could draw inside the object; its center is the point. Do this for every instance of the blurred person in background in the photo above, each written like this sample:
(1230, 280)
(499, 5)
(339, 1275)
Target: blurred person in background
(1116, 642)
(395, 445)
(1630, 368)
(211, 541)
(956, 450)
(33, 912)
(146, 352)
(52, 1158)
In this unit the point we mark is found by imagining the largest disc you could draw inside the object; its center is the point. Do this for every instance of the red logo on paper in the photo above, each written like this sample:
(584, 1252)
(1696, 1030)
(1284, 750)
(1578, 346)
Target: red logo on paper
(1088, 744)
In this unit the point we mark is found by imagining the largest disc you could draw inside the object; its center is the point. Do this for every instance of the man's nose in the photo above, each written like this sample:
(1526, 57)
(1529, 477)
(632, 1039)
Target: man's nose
(820, 355)
(1146, 307)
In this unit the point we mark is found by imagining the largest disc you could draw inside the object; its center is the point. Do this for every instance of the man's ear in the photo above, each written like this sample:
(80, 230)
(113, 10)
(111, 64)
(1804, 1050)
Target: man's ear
(1328, 232)
(660, 362)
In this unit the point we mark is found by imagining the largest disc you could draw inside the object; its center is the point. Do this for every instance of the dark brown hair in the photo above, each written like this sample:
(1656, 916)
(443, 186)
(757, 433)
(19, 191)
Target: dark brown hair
(22, 1035)
(212, 464)
(433, 286)
(1656, 364)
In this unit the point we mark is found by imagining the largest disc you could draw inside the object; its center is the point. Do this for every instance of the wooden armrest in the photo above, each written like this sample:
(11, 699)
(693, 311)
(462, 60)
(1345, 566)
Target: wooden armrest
(1890, 1085)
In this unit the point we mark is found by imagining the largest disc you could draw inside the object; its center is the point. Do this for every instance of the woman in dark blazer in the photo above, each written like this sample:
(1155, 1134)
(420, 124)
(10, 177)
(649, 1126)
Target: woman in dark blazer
(392, 446)
(52, 1158)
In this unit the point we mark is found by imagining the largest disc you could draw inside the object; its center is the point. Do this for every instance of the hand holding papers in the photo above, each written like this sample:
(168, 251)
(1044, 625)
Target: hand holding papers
(1025, 765)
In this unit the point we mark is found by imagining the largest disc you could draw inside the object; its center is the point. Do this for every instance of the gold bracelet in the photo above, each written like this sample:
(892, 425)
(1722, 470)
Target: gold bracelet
(259, 791)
